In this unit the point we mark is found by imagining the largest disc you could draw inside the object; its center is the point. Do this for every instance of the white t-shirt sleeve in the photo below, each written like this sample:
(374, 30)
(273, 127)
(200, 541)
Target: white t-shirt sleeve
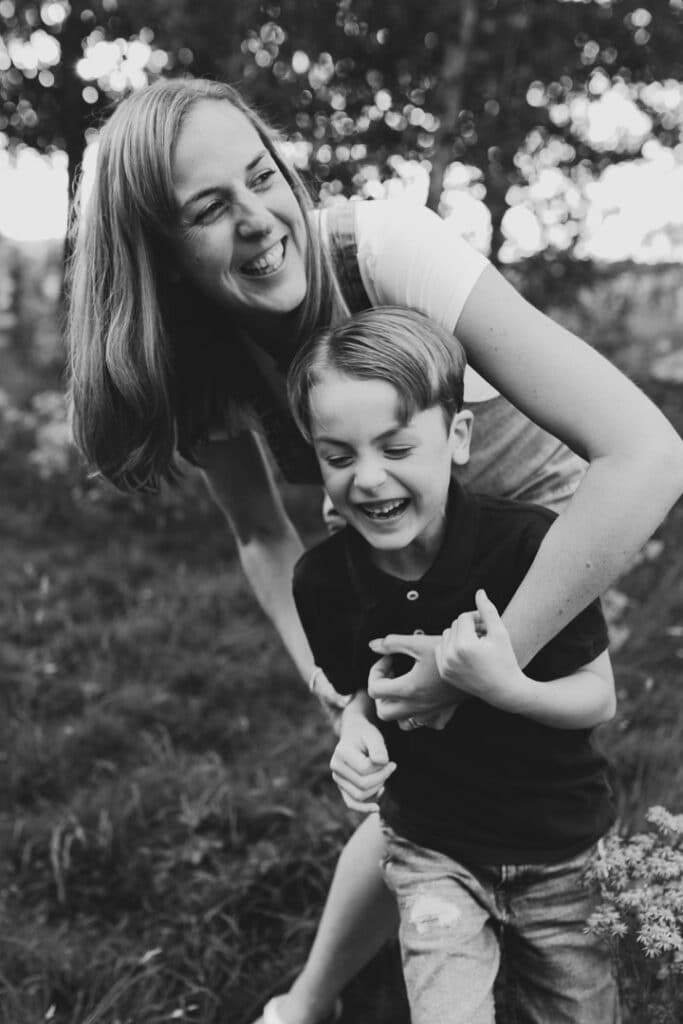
(409, 256)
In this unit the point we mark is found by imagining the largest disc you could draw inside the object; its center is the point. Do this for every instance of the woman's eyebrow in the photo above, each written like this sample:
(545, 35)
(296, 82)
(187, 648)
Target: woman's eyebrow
(257, 159)
(210, 189)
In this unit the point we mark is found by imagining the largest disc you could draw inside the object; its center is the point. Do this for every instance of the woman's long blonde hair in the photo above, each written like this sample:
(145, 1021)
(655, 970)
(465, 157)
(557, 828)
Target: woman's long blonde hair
(154, 363)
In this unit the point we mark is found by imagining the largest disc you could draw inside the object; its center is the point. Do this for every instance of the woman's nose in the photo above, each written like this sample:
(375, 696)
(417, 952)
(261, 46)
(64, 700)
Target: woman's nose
(254, 218)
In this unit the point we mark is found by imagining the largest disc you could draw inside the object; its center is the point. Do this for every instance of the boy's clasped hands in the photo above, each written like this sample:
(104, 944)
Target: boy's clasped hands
(474, 657)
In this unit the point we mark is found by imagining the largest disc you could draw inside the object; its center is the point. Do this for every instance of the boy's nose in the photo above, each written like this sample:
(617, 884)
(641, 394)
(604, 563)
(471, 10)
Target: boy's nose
(369, 475)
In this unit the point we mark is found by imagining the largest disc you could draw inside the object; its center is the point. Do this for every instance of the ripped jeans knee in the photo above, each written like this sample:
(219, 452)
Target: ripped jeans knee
(454, 921)
(449, 946)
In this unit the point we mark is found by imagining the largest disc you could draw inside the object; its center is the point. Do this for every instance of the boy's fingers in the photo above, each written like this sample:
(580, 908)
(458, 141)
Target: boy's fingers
(358, 805)
(355, 792)
(487, 610)
(363, 784)
(361, 773)
(354, 759)
(465, 630)
(376, 748)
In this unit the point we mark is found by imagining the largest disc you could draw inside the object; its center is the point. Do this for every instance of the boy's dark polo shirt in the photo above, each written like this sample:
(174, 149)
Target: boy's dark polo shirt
(491, 787)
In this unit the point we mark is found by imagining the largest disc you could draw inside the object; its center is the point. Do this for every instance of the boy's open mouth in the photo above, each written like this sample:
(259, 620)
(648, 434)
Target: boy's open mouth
(268, 262)
(384, 510)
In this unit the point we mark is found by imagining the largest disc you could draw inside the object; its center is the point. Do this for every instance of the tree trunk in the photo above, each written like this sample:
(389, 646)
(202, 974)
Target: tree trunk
(448, 94)
(74, 110)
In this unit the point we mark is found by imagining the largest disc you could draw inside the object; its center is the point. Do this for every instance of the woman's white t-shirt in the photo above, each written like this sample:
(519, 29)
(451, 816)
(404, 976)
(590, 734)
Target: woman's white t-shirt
(408, 256)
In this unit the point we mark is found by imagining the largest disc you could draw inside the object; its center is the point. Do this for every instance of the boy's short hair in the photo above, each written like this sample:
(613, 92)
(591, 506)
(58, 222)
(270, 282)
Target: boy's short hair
(417, 356)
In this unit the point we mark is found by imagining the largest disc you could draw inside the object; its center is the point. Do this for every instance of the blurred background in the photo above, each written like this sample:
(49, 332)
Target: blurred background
(167, 825)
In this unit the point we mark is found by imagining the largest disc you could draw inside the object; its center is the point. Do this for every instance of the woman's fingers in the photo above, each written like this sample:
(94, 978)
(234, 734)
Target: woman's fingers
(326, 693)
(415, 645)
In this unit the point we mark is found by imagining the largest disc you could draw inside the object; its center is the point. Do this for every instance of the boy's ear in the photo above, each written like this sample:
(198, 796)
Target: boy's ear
(461, 437)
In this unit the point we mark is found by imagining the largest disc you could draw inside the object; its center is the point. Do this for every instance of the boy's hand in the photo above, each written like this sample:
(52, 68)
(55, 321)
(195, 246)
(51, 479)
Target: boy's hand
(420, 696)
(360, 763)
(477, 653)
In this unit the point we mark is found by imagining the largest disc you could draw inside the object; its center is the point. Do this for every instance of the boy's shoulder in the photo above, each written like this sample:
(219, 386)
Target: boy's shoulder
(513, 509)
(324, 564)
(515, 522)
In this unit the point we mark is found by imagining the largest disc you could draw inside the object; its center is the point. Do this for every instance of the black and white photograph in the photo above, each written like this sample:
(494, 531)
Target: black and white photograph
(341, 532)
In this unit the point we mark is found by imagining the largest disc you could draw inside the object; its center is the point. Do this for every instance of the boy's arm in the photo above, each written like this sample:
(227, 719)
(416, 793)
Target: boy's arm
(360, 763)
(476, 652)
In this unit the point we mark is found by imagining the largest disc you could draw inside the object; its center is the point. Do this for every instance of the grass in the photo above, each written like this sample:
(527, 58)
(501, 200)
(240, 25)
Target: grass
(167, 820)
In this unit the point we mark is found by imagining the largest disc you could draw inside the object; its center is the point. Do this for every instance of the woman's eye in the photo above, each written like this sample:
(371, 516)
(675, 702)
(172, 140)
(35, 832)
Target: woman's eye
(338, 461)
(263, 177)
(210, 212)
(397, 451)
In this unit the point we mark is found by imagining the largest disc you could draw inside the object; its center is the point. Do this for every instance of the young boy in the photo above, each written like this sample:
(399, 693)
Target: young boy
(490, 820)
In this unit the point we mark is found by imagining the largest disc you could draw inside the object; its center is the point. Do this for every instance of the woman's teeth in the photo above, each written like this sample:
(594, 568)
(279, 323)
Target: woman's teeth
(384, 509)
(267, 263)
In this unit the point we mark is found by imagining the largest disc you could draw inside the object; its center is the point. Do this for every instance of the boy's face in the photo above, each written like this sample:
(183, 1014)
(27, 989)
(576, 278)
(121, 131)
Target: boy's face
(387, 479)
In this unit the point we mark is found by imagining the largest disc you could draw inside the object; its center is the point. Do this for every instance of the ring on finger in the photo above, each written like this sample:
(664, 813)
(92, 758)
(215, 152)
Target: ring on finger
(413, 723)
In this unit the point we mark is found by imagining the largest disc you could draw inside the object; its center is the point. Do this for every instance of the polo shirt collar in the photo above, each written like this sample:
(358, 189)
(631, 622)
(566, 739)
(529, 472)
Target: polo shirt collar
(450, 567)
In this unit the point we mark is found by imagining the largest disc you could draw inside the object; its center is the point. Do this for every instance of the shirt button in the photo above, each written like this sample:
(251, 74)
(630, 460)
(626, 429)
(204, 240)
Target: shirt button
(418, 632)
(412, 595)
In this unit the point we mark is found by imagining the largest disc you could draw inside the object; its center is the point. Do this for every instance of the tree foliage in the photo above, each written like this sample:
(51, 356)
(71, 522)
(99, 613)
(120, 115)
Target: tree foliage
(362, 85)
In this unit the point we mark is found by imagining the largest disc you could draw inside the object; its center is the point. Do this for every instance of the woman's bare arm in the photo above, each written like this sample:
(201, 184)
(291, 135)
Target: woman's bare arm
(635, 456)
(635, 475)
(240, 481)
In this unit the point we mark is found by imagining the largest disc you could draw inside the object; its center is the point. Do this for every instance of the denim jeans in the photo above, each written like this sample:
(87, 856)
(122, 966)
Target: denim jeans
(498, 943)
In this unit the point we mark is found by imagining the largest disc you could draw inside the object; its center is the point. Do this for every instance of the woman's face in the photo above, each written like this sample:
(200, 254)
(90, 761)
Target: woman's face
(242, 238)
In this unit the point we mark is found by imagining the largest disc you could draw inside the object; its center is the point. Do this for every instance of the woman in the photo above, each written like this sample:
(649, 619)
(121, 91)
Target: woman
(198, 268)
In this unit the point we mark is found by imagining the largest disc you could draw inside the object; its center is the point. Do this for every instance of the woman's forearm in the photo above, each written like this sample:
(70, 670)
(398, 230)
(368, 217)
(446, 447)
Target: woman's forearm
(240, 480)
(636, 458)
(268, 564)
(620, 502)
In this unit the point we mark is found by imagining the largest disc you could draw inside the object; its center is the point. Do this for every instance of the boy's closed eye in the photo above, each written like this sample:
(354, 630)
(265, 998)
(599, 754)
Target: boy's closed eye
(398, 451)
(337, 461)
(343, 460)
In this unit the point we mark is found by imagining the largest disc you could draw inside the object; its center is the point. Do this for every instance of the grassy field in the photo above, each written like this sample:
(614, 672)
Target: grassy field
(167, 822)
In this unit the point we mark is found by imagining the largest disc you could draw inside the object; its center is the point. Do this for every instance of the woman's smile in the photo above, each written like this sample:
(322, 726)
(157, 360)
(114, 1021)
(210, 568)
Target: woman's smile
(242, 238)
(268, 262)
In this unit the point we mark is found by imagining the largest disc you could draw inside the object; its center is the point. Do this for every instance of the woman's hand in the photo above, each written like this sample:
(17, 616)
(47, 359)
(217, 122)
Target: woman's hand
(322, 688)
(360, 763)
(420, 696)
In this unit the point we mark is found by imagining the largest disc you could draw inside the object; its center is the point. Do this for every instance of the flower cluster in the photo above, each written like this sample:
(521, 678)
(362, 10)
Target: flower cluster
(641, 881)
(641, 884)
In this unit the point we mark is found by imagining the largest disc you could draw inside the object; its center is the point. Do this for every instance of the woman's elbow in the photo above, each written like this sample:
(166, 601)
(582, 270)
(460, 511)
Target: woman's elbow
(658, 463)
(671, 457)
(608, 708)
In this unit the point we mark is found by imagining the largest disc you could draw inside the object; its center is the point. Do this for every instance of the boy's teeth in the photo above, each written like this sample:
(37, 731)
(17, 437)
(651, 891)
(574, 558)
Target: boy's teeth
(267, 262)
(383, 509)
